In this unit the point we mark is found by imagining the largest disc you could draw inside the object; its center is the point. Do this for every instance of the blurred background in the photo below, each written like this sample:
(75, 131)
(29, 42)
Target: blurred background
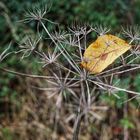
(24, 112)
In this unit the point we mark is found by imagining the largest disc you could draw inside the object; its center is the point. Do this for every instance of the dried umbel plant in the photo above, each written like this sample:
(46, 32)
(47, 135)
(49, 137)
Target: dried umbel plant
(67, 81)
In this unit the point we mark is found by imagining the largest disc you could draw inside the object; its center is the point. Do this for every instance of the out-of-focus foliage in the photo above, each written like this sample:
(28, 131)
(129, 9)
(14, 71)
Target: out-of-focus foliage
(112, 13)
(125, 122)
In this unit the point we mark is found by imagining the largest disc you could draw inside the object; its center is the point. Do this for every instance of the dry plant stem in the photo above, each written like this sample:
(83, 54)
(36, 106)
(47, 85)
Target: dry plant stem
(78, 118)
(123, 71)
(79, 115)
(80, 51)
(83, 91)
(114, 87)
(134, 97)
(126, 134)
(77, 126)
(67, 56)
(26, 75)
(30, 75)
(110, 70)
(56, 124)
(4, 54)
(85, 41)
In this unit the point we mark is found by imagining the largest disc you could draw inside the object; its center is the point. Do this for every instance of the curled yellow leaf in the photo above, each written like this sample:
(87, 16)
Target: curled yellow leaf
(103, 52)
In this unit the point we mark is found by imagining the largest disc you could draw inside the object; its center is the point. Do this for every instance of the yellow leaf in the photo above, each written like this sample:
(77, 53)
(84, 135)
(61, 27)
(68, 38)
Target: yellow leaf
(103, 52)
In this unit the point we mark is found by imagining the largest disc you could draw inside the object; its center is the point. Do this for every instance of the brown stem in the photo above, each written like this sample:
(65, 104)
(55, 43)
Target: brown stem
(24, 74)
(77, 127)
